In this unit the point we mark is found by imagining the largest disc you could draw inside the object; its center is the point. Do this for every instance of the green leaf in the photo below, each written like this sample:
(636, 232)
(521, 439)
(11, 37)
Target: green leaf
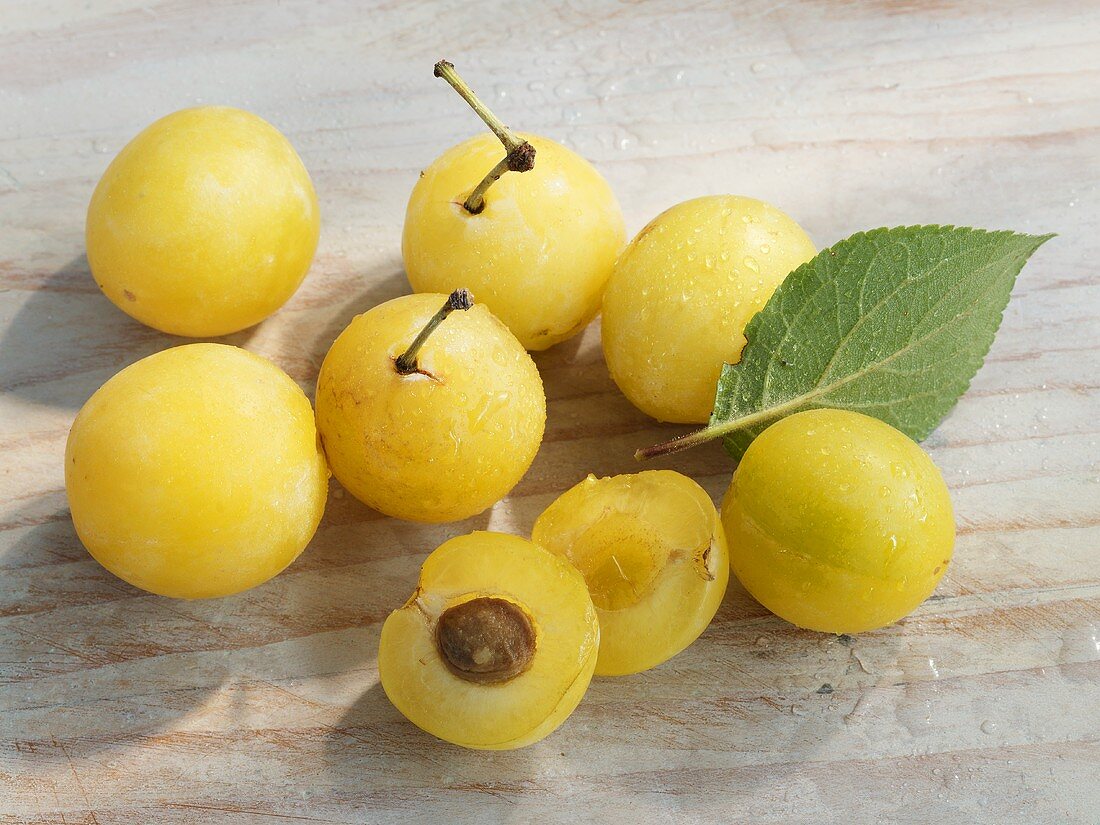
(892, 323)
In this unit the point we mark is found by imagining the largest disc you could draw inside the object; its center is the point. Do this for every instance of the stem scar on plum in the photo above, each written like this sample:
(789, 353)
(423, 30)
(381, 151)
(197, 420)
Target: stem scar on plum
(486, 640)
(405, 363)
(703, 562)
(520, 155)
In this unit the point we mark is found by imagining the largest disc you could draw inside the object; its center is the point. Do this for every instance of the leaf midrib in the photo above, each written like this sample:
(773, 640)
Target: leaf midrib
(864, 315)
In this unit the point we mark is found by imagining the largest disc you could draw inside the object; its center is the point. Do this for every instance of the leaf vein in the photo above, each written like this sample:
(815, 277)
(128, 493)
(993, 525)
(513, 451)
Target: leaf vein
(913, 394)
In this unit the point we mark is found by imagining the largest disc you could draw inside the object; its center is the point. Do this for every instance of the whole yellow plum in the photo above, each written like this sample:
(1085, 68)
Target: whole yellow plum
(196, 472)
(444, 437)
(204, 224)
(681, 294)
(838, 522)
(540, 251)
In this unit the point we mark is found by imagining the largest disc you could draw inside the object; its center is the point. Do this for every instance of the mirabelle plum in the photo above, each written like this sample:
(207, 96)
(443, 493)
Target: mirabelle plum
(539, 250)
(196, 472)
(681, 294)
(651, 549)
(446, 437)
(496, 646)
(838, 522)
(204, 224)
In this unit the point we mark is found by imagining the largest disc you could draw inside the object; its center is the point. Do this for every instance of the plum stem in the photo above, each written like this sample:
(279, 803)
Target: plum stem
(520, 155)
(406, 361)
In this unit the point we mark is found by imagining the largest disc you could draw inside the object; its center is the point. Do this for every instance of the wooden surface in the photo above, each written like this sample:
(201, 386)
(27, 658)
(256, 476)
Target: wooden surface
(984, 706)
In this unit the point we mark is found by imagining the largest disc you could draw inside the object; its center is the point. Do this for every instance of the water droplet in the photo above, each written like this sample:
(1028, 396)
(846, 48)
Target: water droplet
(751, 264)
(758, 67)
(988, 726)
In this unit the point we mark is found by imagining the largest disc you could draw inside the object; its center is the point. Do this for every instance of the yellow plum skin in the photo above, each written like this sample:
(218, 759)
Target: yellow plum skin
(196, 472)
(437, 445)
(540, 252)
(653, 553)
(524, 709)
(204, 224)
(676, 306)
(837, 522)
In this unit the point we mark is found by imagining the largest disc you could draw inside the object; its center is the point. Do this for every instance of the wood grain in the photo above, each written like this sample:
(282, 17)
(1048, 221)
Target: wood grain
(984, 706)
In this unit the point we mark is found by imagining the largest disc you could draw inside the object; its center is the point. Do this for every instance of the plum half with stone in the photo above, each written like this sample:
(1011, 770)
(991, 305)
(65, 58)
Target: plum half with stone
(652, 551)
(537, 248)
(838, 522)
(204, 224)
(429, 419)
(495, 647)
(681, 294)
(196, 472)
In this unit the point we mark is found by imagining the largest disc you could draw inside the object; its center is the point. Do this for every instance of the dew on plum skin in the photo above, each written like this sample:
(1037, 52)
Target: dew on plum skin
(431, 455)
(795, 494)
(681, 269)
(518, 257)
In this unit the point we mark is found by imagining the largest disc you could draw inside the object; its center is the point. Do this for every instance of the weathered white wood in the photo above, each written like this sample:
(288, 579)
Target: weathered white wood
(984, 706)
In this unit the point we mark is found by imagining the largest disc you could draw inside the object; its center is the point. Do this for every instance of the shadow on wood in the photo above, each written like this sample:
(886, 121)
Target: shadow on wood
(406, 765)
(126, 677)
(67, 339)
(382, 283)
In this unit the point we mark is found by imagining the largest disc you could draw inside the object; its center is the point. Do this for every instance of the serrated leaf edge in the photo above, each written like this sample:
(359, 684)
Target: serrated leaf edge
(724, 428)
